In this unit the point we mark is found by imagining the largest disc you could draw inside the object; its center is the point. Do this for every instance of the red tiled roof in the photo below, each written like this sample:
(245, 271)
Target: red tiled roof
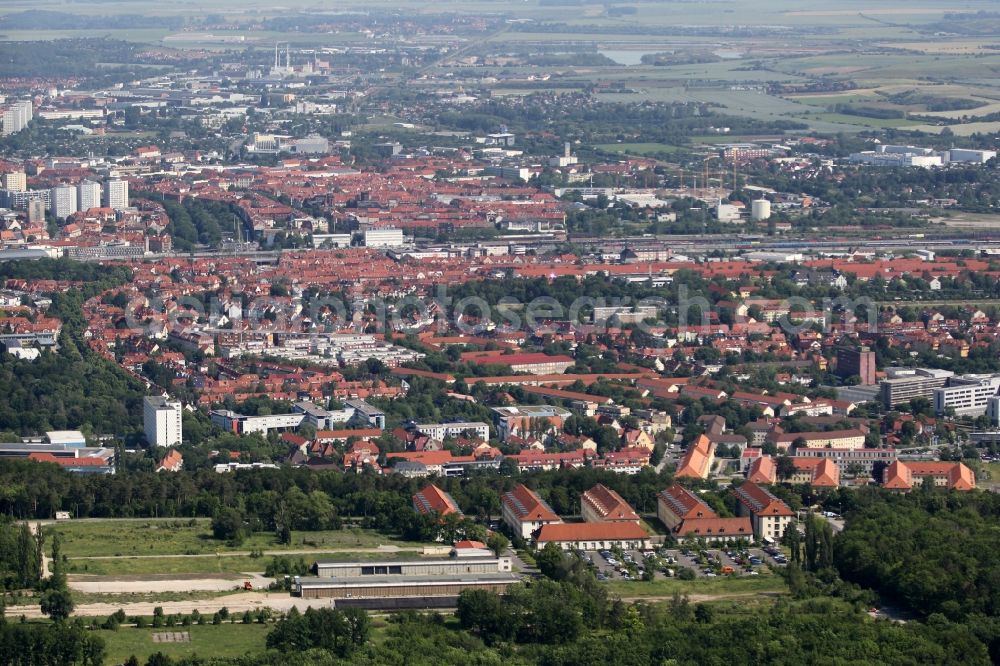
(68, 462)
(527, 505)
(433, 499)
(760, 501)
(697, 460)
(608, 504)
(591, 532)
(685, 504)
(715, 527)
(763, 470)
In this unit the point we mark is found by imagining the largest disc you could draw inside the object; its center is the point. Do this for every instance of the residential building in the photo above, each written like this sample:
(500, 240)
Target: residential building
(36, 212)
(677, 504)
(718, 530)
(162, 421)
(530, 460)
(817, 472)
(848, 459)
(629, 460)
(116, 194)
(769, 516)
(15, 181)
(172, 462)
(64, 201)
(763, 470)
(857, 362)
(687, 515)
(602, 504)
(16, 117)
(833, 439)
(526, 420)
(697, 460)
(949, 475)
(434, 500)
(524, 511)
(88, 195)
(593, 536)
(440, 431)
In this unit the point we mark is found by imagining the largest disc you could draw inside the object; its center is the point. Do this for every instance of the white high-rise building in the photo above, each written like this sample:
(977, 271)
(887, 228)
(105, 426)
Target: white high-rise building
(15, 181)
(89, 194)
(161, 419)
(64, 201)
(116, 194)
(16, 117)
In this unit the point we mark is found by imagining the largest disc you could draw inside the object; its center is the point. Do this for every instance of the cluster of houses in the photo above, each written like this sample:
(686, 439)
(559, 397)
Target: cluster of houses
(609, 521)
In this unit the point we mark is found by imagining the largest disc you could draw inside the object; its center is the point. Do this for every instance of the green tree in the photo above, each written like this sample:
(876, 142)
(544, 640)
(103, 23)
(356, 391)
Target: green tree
(57, 604)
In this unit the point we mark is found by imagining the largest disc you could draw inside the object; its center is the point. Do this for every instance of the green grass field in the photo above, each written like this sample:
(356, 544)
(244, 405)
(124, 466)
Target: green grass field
(638, 148)
(207, 641)
(721, 586)
(97, 538)
(223, 565)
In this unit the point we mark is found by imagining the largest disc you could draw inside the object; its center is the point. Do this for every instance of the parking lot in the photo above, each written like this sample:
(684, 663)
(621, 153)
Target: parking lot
(672, 562)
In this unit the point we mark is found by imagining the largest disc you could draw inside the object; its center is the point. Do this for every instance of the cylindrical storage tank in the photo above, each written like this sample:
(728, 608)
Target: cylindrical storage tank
(760, 209)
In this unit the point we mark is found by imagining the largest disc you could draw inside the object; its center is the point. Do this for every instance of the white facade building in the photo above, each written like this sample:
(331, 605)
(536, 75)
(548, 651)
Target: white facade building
(968, 395)
(389, 237)
(441, 430)
(162, 421)
(64, 200)
(16, 117)
(15, 181)
(116, 194)
(89, 194)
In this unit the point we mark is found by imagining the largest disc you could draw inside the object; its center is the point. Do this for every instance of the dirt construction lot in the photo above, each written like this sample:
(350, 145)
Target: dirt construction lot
(167, 583)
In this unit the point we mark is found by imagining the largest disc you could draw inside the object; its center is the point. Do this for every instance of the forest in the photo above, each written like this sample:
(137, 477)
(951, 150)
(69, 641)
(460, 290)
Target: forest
(71, 388)
(574, 623)
(196, 221)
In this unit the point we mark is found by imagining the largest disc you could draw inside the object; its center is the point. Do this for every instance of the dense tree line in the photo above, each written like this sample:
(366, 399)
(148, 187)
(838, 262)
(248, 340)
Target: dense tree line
(931, 552)
(68, 644)
(550, 624)
(302, 499)
(71, 388)
(85, 59)
(196, 221)
(20, 556)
